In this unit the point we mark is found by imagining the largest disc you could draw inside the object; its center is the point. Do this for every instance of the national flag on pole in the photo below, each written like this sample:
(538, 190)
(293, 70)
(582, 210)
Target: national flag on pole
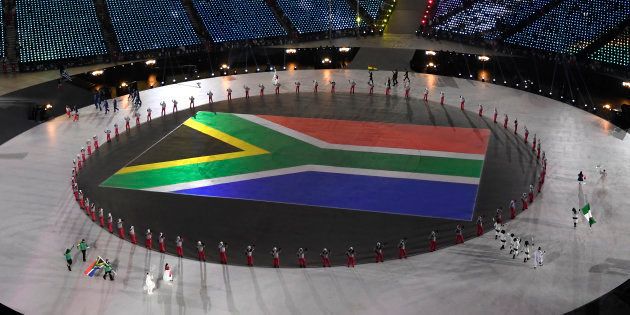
(98, 264)
(586, 210)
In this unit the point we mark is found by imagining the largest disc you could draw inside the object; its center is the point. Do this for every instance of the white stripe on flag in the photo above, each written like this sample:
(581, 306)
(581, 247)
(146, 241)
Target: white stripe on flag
(347, 147)
(315, 168)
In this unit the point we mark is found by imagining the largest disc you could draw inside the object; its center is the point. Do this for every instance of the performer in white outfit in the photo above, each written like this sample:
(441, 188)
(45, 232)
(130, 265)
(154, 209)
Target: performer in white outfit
(149, 285)
(517, 245)
(167, 275)
(526, 250)
(538, 257)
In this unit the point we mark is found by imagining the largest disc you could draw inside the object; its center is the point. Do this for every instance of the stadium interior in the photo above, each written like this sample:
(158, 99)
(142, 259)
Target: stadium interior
(555, 72)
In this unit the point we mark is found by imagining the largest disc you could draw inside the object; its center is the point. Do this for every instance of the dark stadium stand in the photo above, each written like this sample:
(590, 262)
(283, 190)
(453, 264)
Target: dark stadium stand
(617, 51)
(573, 25)
(58, 29)
(1, 29)
(446, 6)
(238, 20)
(372, 7)
(309, 16)
(486, 15)
(154, 24)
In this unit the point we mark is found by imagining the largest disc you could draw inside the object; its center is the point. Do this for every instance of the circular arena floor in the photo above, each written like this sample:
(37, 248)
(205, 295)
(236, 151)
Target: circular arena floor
(41, 219)
(315, 207)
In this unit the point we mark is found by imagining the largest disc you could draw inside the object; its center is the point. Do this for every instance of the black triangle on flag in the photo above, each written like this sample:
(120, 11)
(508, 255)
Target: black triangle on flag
(183, 143)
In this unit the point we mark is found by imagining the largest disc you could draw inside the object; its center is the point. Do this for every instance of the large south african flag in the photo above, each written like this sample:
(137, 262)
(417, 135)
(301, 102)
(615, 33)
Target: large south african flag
(402, 169)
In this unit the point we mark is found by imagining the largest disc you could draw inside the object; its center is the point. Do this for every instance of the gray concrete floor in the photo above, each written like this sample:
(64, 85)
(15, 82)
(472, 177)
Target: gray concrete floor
(40, 219)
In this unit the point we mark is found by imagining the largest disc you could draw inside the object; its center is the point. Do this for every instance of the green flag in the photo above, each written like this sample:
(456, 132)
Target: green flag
(586, 210)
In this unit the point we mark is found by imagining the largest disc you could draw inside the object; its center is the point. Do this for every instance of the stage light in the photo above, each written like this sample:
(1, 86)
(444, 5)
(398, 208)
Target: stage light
(294, 67)
(225, 66)
(291, 51)
(124, 84)
(625, 84)
(344, 49)
(326, 60)
(607, 106)
(431, 65)
(174, 80)
(430, 53)
(48, 106)
(573, 101)
(150, 62)
(257, 69)
(213, 74)
(97, 72)
(246, 71)
(549, 93)
(284, 68)
(162, 83)
(483, 58)
(185, 78)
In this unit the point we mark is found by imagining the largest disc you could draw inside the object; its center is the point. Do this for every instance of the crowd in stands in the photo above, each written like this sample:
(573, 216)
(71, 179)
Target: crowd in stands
(51, 32)
(165, 25)
(58, 29)
(572, 25)
(555, 29)
(446, 6)
(2, 19)
(617, 51)
(491, 17)
(239, 20)
(309, 16)
(372, 7)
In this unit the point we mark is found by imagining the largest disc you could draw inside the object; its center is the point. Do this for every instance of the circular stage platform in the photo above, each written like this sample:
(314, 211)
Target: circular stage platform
(312, 171)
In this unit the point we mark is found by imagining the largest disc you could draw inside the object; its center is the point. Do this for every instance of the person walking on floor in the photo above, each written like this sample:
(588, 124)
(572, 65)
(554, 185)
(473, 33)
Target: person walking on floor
(108, 270)
(83, 246)
(68, 255)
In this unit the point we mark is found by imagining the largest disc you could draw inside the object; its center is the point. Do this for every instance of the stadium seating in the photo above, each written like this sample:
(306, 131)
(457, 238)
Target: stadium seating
(238, 19)
(309, 16)
(617, 51)
(486, 15)
(372, 7)
(1, 30)
(446, 6)
(58, 29)
(572, 25)
(150, 24)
